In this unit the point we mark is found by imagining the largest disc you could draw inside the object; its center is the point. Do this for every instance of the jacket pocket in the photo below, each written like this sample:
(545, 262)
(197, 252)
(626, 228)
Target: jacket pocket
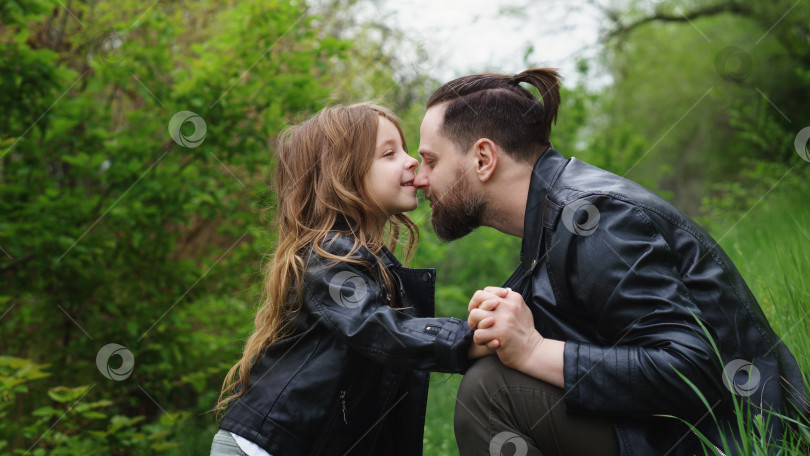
(336, 427)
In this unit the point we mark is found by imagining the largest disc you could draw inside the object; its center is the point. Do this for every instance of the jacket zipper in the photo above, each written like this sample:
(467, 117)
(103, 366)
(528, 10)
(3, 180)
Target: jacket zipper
(343, 403)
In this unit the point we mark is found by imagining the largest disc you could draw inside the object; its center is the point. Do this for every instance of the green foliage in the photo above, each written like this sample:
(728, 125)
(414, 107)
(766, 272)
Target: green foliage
(113, 232)
(439, 436)
(696, 97)
(84, 427)
(15, 375)
(769, 247)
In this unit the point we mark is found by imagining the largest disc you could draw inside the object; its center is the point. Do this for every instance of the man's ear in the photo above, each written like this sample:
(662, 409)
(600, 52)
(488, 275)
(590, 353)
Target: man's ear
(486, 155)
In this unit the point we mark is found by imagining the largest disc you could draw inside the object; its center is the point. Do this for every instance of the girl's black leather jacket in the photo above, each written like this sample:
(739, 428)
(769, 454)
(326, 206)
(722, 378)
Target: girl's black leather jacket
(353, 377)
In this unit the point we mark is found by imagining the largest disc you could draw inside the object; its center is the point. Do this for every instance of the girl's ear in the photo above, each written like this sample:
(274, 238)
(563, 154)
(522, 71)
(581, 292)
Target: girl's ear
(486, 155)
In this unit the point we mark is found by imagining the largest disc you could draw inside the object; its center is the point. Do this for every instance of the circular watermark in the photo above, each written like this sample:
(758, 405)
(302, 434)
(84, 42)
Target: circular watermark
(802, 137)
(121, 372)
(741, 377)
(580, 217)
(505, 441)
(424, 57)
(176, 124)
(348, 289)
(107, 49)
(733, 64)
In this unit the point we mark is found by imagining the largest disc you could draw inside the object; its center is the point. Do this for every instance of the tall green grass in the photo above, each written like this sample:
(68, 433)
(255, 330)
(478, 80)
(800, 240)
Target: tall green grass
(771, 249)
(770, 245)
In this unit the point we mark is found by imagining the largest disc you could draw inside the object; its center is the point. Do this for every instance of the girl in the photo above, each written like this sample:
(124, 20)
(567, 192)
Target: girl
(339, 360)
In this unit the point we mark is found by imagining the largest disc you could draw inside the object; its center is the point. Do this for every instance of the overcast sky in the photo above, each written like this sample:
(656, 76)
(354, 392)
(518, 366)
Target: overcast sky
(469, 36)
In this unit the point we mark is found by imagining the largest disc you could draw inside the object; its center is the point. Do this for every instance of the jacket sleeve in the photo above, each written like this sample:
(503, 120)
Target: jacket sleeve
(623, 279)
(348, 303)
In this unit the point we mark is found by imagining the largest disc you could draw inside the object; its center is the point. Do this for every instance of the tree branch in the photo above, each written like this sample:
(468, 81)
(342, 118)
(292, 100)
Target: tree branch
(731, 8)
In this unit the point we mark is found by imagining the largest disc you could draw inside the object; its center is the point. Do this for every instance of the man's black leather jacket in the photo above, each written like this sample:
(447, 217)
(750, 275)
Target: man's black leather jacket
(629, 283)
(353, 377)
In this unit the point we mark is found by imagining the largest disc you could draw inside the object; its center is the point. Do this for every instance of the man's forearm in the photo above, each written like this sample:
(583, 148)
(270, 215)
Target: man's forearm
(545, 362)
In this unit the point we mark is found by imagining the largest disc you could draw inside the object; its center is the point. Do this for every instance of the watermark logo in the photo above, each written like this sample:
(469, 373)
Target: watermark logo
(424, 57)
(581, 217)
(187, 117)
(505, 441)
(348, 289)
(107, 51)
(741, 377)
(121, 372)
(801, 143)
(733, 64)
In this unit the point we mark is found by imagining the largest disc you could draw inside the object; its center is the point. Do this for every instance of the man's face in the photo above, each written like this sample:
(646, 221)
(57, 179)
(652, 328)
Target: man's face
(446, 178)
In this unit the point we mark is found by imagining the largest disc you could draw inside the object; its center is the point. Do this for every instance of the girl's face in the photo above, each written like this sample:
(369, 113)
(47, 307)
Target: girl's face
(390, 179)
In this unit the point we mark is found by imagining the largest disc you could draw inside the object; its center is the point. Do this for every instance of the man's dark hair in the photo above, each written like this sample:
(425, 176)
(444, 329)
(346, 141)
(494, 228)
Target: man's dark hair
(495, 106)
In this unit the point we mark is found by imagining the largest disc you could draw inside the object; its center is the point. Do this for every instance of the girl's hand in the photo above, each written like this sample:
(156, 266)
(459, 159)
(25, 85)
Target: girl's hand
(483, 302)
(481, 308)
(479, 351)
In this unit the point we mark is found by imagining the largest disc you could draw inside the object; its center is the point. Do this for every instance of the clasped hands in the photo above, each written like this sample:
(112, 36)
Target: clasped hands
(503, 324)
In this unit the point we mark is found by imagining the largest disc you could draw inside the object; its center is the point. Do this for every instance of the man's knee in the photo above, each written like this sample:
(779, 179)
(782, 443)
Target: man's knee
(481, 379)
(491, 393)
(494, 399)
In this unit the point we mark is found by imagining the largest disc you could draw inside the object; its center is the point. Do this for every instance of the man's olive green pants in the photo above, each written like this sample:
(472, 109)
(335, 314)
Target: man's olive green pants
(500, 411)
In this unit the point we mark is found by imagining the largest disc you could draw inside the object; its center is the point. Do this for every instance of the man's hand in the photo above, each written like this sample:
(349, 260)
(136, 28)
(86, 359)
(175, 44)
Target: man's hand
(502, 321)
(514, 334)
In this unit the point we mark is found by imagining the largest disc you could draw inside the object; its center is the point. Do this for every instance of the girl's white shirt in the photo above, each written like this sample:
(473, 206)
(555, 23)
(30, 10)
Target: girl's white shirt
(249, 447)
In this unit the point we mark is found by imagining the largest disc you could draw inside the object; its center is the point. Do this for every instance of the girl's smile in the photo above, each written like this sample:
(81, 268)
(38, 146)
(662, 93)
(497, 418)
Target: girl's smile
(390, 180)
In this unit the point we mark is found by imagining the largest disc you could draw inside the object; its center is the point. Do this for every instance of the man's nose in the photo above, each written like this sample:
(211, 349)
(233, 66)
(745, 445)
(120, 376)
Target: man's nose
(421, 181)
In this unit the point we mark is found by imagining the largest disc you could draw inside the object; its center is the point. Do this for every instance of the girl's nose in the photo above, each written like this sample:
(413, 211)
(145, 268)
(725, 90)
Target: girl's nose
(411, 164)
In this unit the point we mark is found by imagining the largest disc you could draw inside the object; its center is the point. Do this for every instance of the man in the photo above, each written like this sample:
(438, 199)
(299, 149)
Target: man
(607, 329)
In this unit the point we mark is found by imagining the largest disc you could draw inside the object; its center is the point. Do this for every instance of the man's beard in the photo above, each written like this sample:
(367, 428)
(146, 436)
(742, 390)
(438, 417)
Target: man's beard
(457, 212)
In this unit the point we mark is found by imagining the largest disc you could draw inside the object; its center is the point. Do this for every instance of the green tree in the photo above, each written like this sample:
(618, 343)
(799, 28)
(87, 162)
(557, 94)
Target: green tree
(709, 89)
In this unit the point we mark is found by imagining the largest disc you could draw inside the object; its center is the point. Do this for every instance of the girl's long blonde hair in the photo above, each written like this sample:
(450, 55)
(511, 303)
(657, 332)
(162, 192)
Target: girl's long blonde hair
(320, 172)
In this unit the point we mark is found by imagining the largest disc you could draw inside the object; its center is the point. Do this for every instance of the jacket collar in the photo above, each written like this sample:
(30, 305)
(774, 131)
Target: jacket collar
(388, 259)
(341, 241)
(545, 172)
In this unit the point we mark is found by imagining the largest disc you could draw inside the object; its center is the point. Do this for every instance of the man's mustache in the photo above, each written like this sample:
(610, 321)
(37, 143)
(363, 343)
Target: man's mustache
(428, 196)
